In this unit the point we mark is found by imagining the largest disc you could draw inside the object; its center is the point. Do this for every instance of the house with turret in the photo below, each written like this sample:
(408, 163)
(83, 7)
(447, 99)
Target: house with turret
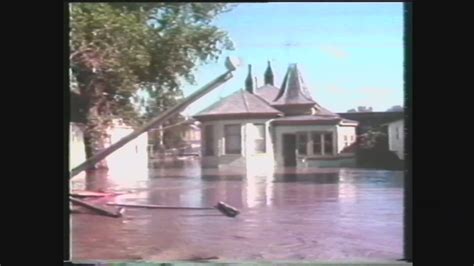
(270, 126)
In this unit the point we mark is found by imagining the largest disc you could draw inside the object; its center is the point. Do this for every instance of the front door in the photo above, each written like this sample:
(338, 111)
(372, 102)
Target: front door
(289, 149)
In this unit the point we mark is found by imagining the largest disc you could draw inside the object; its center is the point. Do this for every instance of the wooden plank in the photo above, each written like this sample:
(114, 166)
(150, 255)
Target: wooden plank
(96, 209)
(224, 208)
(151, 206)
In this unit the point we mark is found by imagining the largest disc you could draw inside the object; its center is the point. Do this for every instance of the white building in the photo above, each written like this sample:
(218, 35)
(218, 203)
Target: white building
(132, 155)
(396, 138)
(270, 126)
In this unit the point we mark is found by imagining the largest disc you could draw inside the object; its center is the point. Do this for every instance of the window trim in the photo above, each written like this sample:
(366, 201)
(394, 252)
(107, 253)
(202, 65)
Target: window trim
(320, 133)
(310, 144)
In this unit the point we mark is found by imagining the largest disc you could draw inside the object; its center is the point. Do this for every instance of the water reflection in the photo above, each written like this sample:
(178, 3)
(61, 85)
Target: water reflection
(113, 179)
(318, 178)
(317, 214)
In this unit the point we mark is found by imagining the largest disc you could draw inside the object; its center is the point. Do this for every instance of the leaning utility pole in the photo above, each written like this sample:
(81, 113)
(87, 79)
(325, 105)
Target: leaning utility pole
(231, 65)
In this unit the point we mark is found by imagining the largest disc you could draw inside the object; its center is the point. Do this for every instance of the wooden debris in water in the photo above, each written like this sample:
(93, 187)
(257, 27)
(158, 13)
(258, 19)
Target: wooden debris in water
(151, 206)
(226, 209)
(96, 209)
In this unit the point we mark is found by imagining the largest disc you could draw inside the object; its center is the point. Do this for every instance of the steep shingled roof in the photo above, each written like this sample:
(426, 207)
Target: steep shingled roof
(323, 111)
(239, 103)
(267, 92)
(293, 91)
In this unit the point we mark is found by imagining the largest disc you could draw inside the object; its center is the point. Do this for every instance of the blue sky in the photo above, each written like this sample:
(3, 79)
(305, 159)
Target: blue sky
(350, 54)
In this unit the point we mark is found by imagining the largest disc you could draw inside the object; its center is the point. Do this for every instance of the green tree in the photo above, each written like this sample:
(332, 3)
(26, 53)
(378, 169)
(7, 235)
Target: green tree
(119, 49)
(372, 151)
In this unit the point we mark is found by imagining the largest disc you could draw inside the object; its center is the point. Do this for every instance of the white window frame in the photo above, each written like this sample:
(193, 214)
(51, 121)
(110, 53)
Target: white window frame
(322, 135)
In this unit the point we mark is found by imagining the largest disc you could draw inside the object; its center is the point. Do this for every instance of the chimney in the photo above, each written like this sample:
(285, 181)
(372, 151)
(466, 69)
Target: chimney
(268, 76)
(249, 81)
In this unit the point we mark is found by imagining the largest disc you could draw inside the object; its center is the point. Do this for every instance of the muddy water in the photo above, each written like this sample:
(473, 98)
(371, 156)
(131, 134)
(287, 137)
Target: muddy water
(290, 215)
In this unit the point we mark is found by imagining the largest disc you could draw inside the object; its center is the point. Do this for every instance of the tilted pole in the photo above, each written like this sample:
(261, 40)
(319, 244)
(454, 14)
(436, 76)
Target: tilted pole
(231, 66)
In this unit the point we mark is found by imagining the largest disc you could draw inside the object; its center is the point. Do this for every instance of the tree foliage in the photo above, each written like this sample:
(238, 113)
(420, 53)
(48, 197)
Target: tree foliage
(373, 151)
(119, 49)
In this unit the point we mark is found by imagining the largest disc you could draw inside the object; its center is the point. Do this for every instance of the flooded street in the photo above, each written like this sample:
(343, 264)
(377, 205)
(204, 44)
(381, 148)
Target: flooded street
(288, 215)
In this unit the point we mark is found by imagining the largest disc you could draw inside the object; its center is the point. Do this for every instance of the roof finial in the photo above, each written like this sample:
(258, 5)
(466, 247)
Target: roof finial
(249, 81)
(268, 76)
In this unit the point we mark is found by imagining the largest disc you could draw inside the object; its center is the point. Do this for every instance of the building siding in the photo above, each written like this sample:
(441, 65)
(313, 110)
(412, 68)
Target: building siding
(345, 131)
(132, 155)
(395, 144)
(248, 157)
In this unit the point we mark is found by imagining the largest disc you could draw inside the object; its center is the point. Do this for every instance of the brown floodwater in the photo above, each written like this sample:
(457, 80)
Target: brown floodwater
(287, 215)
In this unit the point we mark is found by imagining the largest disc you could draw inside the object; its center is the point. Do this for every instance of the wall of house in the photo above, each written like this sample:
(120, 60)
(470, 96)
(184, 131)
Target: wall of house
(328, 160)
(257, 162)
(349, 132)
(397, 144)
(273, 156)
(248, 157)
(281, 130)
